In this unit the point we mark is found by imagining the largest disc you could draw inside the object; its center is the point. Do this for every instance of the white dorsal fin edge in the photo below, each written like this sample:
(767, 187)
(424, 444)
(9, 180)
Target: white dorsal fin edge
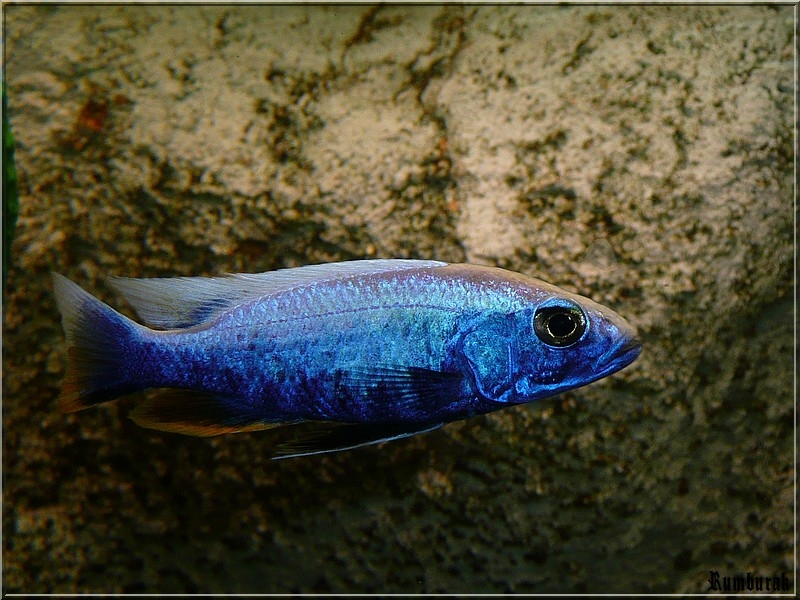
(177, 302)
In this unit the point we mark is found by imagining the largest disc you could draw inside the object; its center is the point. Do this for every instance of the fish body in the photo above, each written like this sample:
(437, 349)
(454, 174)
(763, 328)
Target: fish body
(373, 350)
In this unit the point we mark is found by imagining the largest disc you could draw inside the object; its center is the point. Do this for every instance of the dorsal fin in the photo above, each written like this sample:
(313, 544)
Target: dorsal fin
(177, 302)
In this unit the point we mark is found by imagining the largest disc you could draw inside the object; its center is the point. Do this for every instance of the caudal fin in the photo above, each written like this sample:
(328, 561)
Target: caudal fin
(99, 340)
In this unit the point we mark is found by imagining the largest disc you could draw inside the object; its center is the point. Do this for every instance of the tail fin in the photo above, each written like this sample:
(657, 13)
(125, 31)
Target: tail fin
(99, 340)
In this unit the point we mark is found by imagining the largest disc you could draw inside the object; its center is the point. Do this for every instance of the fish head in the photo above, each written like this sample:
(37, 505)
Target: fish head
(565, 342)
(556, 343)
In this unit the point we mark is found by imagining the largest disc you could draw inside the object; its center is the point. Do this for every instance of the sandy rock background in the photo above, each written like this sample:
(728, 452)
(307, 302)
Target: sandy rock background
(641, 156)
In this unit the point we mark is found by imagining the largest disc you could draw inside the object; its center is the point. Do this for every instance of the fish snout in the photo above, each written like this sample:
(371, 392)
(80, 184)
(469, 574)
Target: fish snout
(622, 353)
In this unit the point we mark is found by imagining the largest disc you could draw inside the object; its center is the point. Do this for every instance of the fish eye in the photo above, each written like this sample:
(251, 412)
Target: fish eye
(561, 325)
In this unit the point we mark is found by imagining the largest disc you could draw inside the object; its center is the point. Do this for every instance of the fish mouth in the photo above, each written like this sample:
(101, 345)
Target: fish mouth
(619, 356)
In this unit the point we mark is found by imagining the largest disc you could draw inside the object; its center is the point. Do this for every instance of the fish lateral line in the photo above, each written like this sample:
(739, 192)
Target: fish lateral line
(347, 311)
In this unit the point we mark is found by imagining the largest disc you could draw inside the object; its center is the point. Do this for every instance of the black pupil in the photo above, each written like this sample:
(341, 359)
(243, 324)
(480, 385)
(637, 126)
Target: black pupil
(561, 324)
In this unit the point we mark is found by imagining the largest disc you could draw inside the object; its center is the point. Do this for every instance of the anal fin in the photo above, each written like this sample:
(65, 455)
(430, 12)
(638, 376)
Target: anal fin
(334, 437)
(191, 412)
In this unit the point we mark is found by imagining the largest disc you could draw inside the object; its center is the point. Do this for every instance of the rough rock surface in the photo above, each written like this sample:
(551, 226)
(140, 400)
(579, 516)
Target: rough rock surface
(641, 156)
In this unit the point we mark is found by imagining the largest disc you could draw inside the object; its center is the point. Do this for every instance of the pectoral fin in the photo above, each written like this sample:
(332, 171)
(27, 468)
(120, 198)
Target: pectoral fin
(334, 437)
(418, 389)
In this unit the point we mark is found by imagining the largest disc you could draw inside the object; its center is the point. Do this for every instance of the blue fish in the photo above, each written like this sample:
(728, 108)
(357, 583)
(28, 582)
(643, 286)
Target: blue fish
(369, 350)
